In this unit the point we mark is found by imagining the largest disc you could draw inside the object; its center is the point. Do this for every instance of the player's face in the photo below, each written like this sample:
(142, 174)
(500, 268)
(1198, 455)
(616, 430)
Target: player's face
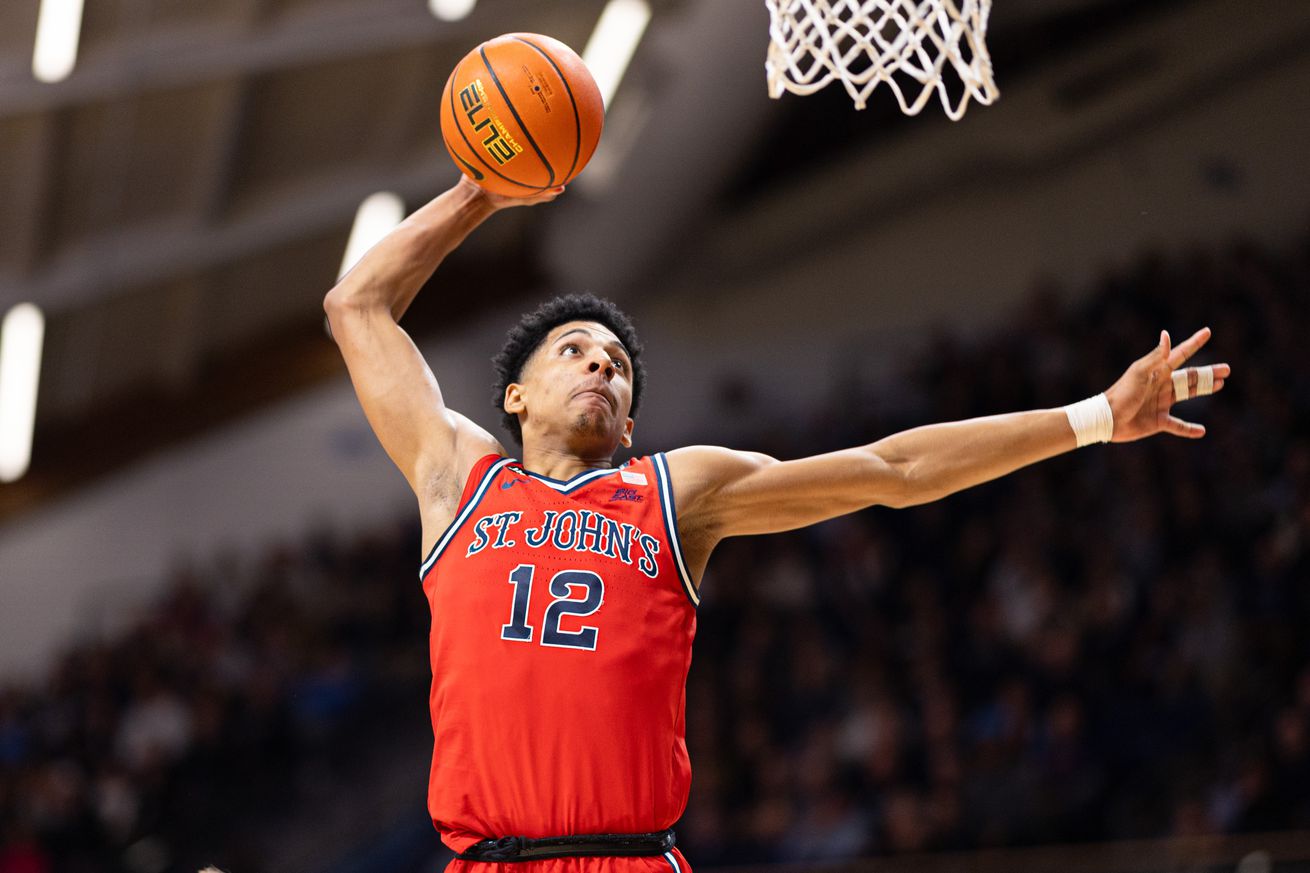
(576, 388)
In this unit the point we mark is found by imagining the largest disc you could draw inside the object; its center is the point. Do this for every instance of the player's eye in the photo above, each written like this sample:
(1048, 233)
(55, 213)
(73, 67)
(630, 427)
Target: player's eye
(618, 364)
(569, 348)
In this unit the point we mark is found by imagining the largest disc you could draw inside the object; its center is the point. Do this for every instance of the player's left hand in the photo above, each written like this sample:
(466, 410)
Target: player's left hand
(1144, 395)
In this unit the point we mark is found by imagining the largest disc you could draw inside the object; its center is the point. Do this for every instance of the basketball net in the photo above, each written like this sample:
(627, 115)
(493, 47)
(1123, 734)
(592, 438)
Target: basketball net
(909, 44)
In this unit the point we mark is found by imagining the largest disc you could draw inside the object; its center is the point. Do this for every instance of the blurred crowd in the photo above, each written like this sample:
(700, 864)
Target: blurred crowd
(1107, 645)
(181, 741)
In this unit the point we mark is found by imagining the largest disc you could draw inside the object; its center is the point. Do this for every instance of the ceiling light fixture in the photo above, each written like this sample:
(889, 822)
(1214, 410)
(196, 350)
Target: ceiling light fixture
(613, 42)
(451, 10)
(58, 29)
(377, 216)
(21, 335)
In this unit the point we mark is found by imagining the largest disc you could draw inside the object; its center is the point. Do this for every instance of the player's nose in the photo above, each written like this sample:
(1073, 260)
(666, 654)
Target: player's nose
(601, 364)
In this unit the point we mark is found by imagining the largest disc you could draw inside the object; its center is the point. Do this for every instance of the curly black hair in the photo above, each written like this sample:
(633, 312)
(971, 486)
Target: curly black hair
(524, 338)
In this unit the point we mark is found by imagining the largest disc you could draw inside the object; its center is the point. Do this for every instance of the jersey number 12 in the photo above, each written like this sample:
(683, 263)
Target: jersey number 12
(561, 589)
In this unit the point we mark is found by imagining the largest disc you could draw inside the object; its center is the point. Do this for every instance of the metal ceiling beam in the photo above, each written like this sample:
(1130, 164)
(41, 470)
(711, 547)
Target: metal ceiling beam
(182, 57)
(144, 254)
(217, 164)
(33, 168)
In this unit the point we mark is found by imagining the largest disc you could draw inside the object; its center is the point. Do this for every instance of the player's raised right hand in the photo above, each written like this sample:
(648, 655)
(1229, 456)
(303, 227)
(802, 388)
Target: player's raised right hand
(499, 201)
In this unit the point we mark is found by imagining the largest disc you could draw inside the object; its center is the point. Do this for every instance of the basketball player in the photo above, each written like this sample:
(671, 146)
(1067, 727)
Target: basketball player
(563, 590)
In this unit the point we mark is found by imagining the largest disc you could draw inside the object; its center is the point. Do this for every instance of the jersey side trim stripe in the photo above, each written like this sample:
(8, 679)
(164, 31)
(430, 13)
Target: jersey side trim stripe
(671, 525)
(463, 516)
(673, 862)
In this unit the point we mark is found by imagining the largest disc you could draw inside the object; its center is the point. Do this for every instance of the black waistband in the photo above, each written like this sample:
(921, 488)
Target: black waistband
(510, 849)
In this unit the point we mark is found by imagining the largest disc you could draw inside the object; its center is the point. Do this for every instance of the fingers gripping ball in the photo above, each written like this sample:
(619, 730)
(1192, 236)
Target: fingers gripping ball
(521, 114)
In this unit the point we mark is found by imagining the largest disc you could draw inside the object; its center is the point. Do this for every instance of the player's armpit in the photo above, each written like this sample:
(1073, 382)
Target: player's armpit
(731, 493)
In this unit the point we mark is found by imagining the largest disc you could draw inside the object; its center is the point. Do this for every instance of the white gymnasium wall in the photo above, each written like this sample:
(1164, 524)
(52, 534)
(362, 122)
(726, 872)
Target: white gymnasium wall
(788, 319)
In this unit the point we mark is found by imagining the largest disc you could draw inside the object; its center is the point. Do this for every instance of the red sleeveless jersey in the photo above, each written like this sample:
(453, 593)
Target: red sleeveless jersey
(562, 624)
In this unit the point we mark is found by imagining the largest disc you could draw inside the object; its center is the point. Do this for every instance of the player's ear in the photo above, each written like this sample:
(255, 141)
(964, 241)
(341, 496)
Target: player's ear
(514, 398)
(626, 438)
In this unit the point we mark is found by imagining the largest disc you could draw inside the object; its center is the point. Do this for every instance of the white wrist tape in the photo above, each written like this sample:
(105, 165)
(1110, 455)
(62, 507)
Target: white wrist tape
(1091, 420)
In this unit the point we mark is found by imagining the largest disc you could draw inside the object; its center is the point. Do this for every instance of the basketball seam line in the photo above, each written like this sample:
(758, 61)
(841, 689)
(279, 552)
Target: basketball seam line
(455, 116)
(577, 116)
(523, 127)
(477, 174)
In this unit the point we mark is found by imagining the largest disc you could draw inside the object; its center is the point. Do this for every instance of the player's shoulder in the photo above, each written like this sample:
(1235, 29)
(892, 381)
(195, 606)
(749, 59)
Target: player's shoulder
(698, 470)
(711, 460)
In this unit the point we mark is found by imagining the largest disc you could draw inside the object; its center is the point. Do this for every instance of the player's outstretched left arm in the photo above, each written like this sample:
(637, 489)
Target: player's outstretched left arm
(723, 493)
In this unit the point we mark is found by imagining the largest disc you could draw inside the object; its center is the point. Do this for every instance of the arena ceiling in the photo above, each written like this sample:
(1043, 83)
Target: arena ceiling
(180, 204)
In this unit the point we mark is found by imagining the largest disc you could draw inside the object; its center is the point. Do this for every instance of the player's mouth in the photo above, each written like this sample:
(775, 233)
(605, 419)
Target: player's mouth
(599, 393)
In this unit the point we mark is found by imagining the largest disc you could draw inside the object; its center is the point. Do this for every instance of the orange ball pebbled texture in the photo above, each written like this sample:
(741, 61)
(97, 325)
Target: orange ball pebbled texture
(521, 114)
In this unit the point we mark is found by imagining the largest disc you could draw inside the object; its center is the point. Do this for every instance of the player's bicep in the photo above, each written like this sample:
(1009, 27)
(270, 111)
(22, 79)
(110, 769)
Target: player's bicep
(401, 397)
(738, 493)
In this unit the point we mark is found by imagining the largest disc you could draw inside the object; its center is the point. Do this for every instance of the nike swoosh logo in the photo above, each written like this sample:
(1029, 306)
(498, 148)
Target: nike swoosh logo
(508, 484)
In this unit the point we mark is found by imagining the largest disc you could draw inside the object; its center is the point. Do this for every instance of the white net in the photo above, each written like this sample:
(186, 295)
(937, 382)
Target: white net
(915, 46)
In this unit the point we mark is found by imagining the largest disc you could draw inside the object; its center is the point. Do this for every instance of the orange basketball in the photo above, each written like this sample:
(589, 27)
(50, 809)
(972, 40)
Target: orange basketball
(520, 114)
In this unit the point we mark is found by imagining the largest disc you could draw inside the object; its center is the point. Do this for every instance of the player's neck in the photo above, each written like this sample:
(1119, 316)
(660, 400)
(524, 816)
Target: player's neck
(561, 464)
